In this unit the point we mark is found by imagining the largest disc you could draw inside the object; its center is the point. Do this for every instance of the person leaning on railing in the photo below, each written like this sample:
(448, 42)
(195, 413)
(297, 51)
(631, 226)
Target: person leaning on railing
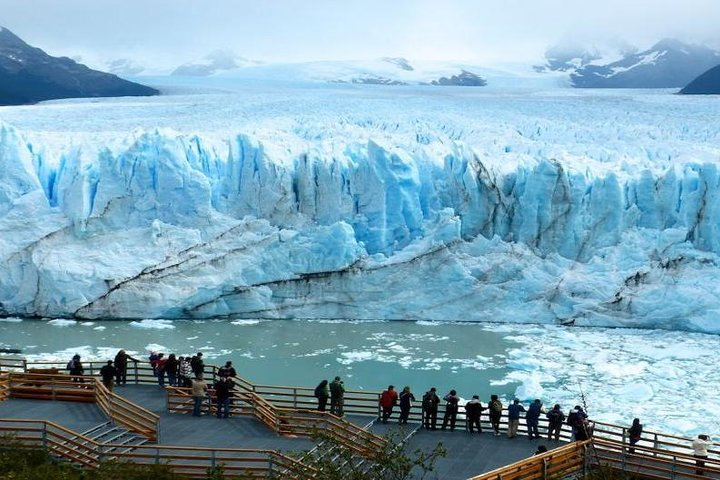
(700, 451)
(337, 397)
(121, 360)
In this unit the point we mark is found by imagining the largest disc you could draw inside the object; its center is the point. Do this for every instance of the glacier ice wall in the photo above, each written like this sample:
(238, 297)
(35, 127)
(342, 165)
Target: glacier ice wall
(172, 227)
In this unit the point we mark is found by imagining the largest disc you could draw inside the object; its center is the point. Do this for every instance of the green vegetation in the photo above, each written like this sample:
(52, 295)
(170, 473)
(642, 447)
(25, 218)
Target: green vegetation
(392, 462)
(20, 462)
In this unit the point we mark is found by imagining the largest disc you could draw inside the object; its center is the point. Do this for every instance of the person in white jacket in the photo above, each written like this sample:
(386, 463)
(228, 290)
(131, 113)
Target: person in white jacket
(700, 451)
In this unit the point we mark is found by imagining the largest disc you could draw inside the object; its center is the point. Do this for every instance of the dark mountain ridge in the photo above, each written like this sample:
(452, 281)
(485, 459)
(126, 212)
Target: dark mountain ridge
(29, 75)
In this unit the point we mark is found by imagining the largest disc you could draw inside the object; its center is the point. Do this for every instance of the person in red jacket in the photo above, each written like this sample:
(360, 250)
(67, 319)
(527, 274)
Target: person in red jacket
(388, 399)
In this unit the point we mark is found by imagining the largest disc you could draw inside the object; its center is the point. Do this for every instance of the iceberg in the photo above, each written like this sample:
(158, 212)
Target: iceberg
(525, 226)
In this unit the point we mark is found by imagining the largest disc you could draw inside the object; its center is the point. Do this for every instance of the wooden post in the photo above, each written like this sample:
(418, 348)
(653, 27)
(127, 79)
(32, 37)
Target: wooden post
(655, 445)
(295, 401)
(545, 468)
(674, 468)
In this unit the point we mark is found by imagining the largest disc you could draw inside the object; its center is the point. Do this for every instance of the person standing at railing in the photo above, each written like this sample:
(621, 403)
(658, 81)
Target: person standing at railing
(227, 370)
(388, 400)
(451, 410)
(634, 434)
(121, 360)
(577, 419)
(473, 410)
(199, 392)
(337, 397)
(555, 417)
(495, 408)
(108, 373)
(322, 393)
(185, 375)
(160, 369)
(223, 392)
(197, 365)
(514, 410)
(406, 399)
(430, 402)
(171, 369)
(700, 451)
(76, 368)
(531, 418)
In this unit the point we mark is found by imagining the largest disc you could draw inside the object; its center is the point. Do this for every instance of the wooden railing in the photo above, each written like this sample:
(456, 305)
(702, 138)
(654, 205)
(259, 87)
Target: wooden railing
(647, 462)
(126, 413)
(558, 463)
(285, 421)
(4, 386)
(192, 461)
(48, 386)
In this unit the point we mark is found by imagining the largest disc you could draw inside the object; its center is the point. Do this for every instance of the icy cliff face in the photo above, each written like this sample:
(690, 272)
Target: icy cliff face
(172, 226)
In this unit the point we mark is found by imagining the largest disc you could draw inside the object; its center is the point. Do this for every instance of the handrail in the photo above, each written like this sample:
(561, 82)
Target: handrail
(4, 386)
(126, 413)
(556, 463)
(87, 452)
(291, 421)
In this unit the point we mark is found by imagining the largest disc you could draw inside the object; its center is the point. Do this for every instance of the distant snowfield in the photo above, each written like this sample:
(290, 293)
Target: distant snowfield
(231, 198)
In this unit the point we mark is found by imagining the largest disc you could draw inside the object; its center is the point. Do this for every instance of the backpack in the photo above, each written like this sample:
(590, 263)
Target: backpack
(427, 401)
(496, 407)
(573, 418)
(318, 391)
(70, 365)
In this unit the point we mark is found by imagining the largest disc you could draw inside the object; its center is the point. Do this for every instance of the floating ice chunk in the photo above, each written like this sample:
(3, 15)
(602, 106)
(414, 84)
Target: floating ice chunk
(11, 320)
(153, 324)
(155, 347)
(99, 328)
(61, 322)
(244, 322)
(635, 392)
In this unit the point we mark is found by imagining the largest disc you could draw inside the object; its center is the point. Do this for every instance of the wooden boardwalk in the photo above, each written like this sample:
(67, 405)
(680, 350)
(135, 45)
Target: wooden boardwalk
(468, 454)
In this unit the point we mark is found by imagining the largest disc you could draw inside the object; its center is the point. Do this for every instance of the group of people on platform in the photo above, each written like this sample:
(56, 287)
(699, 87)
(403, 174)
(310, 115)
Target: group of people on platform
(187, 371)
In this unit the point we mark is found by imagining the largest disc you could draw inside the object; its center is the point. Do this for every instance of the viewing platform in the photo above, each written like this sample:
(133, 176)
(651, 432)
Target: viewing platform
(270, 424)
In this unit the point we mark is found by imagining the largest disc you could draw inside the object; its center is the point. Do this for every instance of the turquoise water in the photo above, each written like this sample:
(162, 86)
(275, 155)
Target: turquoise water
(624, 373)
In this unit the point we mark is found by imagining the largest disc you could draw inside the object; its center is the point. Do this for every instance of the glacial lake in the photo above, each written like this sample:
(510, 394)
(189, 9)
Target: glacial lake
(668, 379)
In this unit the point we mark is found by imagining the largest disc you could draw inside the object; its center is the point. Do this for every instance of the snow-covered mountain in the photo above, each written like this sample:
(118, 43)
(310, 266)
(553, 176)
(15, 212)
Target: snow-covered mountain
(706, 84)
(29, 75)
(667, 64)
(215, 62)
(125, 66)
(382, 71)
(339, 202)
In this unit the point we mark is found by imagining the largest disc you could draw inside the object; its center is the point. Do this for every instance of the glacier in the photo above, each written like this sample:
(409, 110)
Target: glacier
(593, 209)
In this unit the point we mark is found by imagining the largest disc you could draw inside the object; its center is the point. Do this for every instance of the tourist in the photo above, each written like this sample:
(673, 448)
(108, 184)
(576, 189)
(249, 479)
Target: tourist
(199, 392)
(531, 418)
(700, 451)
(406, 399)
(76, 368)
(322, 393)
(473, 410)
(514, 410)
(430, 402)
(556, 418)
(153, 358)
(160, 369)
(185, 373)
(451, 409)
(120, 363)
(577, 419)
(495, 408)
(634, 434)
(171, 369)
(223, 394)
(197, 365)
(108, 373)
(388, 399)
(337, 397)
(227, 371)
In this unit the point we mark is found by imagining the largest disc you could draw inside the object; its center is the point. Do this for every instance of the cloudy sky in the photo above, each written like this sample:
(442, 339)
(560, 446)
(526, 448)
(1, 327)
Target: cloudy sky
(175, 31)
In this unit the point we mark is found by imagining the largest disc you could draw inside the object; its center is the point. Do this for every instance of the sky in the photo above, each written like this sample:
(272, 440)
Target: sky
(172, 32)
